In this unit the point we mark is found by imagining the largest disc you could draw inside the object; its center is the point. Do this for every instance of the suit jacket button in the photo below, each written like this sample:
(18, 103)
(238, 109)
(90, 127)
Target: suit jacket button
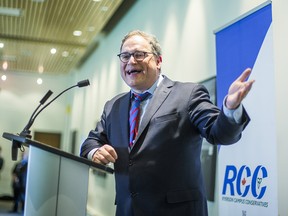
(133, 194)
(130, 163)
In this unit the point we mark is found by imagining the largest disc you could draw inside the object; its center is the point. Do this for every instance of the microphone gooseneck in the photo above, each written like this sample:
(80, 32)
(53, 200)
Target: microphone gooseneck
(26, 131)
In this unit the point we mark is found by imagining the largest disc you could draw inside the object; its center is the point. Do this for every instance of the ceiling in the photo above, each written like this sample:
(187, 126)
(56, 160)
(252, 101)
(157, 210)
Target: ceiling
(29, 29)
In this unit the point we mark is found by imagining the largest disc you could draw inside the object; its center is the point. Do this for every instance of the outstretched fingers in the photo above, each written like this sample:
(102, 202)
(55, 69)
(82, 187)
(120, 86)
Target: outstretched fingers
(244, 76)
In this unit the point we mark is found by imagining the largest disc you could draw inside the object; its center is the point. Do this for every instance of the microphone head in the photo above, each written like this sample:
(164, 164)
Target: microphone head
(44, 99)
(14, 152)
(83, 83)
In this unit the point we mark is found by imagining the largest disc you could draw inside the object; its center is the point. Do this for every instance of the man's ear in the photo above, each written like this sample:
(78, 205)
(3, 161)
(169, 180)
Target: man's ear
(159, 62)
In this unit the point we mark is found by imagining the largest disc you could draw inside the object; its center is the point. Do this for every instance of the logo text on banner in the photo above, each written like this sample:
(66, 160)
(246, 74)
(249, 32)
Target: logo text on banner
(245, 182)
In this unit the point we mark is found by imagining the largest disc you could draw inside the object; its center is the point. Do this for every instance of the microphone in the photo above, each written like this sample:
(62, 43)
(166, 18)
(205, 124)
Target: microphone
(26, 131)
(14, 152)
(83, 83)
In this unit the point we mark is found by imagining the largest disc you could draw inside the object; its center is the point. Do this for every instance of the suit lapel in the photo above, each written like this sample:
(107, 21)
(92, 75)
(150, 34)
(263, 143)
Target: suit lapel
(124, 118)
(159, 96)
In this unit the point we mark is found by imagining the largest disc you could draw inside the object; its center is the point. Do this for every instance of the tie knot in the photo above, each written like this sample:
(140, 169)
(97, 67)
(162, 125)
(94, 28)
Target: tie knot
(141, 97)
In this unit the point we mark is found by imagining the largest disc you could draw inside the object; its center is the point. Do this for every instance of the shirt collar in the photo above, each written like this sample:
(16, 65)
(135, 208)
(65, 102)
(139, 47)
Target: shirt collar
(153, 87)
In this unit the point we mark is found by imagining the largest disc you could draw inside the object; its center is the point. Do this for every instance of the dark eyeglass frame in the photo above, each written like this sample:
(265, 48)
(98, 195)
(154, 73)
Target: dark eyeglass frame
(134, 54)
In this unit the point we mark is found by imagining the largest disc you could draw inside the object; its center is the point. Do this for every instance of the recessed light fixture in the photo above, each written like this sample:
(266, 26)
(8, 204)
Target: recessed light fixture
(91, 28)
(1, 45)
(4, 77)
(40, 1)
(5, 65)
(5, 11)
(53, 51)
(65, 54)
(39, 81)
(40, 69)
(104, 8)
(97, 0)
(77, 33)
(8, 58)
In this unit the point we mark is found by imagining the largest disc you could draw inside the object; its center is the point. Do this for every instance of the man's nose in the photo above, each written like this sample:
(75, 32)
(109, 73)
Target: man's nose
(132, 60)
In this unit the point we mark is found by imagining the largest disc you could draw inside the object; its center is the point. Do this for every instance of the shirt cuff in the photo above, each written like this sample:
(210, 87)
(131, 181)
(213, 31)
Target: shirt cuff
(91, 153)
(233, 114)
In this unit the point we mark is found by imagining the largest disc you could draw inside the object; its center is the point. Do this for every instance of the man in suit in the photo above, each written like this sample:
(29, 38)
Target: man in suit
(157, 165)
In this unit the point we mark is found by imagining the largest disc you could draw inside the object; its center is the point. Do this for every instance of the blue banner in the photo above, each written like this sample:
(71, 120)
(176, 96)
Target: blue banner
(247, 170)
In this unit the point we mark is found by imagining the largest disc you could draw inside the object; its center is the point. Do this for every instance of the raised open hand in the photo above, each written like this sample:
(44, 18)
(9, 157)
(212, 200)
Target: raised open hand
(238, 90)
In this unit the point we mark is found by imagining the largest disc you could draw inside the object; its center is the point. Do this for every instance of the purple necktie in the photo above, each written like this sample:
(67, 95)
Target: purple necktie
(134, 115)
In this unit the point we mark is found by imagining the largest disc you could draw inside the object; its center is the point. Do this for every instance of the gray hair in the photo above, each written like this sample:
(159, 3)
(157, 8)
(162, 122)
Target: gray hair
(153, 41)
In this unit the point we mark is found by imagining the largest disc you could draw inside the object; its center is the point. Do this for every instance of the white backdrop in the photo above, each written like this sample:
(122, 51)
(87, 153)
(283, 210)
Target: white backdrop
(248, 170)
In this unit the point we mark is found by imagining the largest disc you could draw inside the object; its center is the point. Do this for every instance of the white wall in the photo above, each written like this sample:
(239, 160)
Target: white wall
(185, 30)
(280, 17)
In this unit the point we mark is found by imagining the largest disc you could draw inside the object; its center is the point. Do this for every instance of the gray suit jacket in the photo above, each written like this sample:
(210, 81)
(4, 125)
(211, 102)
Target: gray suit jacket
(161, 176)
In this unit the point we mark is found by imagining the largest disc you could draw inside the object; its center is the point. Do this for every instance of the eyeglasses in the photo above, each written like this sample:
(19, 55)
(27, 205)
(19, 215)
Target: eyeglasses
(138, 56)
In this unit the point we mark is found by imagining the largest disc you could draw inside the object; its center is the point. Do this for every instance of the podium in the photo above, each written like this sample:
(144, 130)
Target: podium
(57, 181)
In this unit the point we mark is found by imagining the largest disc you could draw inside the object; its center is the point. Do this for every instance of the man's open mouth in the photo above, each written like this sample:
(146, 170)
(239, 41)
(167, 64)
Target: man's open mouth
(133, 72)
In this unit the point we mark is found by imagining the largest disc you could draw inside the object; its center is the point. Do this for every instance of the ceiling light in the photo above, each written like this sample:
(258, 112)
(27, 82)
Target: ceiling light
(39, 81)
(4, 77)
(5, 65)
(10, 11)
(97, 0)
(91, 28)
(1, 45)
(104, 8)
(77, 33)
(65, 54)
(38, 1)
(8, 58)
(40, 69)
(53, 51)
